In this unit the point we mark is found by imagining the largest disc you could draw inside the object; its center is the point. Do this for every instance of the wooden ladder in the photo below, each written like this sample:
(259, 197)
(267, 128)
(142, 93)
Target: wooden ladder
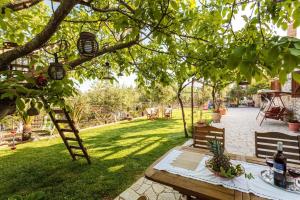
(73, 149)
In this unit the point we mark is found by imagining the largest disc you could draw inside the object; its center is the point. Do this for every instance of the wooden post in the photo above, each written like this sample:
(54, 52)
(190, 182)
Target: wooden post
(192, 107)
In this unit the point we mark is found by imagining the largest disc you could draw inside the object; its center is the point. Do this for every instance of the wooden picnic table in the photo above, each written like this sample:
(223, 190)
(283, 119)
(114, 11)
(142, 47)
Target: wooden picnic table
(189, 160)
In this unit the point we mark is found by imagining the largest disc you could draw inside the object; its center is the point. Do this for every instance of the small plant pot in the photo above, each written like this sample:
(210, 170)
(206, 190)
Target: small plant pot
(294, 126)
(223, 111)
(216, 117)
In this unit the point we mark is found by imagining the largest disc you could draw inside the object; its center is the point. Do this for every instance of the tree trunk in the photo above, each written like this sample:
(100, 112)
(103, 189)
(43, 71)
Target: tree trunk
(213, 94)
(182, 112)
(26, 134)
(192, 108)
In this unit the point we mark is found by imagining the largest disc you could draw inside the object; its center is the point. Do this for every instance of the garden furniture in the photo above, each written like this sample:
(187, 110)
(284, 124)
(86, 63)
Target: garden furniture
(265, 145)
(202, 134)
(181, 169)
(152, 113)
(168, 113)
(273, 106)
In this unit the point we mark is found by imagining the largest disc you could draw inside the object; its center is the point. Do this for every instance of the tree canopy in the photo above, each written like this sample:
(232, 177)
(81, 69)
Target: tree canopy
(162, 41)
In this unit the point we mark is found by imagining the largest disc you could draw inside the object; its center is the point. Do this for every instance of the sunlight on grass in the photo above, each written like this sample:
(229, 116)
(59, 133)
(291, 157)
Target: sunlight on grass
(120, 154)
(115, 168)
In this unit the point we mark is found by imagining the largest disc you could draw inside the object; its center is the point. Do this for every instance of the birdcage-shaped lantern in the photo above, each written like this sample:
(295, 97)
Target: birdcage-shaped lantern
(56, 70)
(87, 44)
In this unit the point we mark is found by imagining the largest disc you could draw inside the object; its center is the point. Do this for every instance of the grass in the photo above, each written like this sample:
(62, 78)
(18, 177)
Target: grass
(120, 154)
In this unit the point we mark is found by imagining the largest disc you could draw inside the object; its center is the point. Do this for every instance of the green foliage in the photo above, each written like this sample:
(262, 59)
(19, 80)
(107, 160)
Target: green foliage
(178, 40)
(32, 196)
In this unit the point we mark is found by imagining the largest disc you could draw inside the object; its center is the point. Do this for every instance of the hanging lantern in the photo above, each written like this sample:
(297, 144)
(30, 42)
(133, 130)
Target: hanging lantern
(32, 111)
(87, 44)
(56, 70)
(108, 74)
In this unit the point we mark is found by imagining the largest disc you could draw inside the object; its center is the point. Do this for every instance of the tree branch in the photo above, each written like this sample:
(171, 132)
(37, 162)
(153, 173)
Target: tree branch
(113, 48)
(20, 5)
(40, 39)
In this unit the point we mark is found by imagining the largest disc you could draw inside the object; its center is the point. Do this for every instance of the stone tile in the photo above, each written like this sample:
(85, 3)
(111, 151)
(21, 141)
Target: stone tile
(166, 196)
(137, 184)
(150, 194)
(129, 194)
(158, 188)
(143, 188)
(146, 181)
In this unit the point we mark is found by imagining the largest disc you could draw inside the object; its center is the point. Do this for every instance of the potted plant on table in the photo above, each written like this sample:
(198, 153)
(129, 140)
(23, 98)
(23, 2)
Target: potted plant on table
(220, 163)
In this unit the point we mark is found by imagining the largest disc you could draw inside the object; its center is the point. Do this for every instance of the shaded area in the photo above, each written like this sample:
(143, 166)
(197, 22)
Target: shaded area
(120, 154)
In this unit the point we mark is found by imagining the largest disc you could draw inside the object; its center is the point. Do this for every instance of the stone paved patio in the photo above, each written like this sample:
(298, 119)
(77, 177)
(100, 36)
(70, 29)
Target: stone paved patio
(144, 189)
(240, 125)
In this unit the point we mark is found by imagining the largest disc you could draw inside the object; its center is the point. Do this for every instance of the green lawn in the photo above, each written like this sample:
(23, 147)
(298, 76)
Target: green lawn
(120, 154)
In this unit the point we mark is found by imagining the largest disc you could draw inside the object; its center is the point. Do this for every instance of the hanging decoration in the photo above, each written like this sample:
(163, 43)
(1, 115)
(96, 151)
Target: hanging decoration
(56, 70)
(108, 74)
(41, 81)
(32, 111)
(87, 44)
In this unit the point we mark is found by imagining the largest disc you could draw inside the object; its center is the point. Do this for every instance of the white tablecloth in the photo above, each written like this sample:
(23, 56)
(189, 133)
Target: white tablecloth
(256, 186)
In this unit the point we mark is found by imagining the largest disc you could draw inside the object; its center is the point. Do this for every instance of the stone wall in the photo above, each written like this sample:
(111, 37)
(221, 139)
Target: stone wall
(291, 103)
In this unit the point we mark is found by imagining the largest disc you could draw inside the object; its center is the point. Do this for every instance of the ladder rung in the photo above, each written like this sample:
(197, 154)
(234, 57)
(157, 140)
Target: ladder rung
(75, 147)
(79, 155)
(62, 121)
(72, 139)
(66, 130)
(58, 111)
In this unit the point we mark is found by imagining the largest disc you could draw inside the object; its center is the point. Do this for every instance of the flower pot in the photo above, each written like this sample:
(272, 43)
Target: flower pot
(223, 111)
(294, 126)
(216, 117)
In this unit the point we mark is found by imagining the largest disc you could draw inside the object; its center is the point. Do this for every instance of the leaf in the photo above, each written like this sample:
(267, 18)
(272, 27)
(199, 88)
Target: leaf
(174, 4)
(20, 104)
(296, 77)
(295, 52)
(282, 77)
(297, 45)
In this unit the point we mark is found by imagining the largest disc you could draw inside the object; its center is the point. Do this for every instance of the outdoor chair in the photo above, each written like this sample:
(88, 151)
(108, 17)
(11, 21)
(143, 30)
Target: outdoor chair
(148, 113)
(266, 145)
(152, 113)
(276, 113)
(202, 134)
(168, 113)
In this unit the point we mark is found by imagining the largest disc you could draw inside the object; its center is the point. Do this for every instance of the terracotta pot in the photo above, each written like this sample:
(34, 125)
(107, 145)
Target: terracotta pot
(294, 126)
(216, 117)
(223, 111)
(275, 85)
(26, 135)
